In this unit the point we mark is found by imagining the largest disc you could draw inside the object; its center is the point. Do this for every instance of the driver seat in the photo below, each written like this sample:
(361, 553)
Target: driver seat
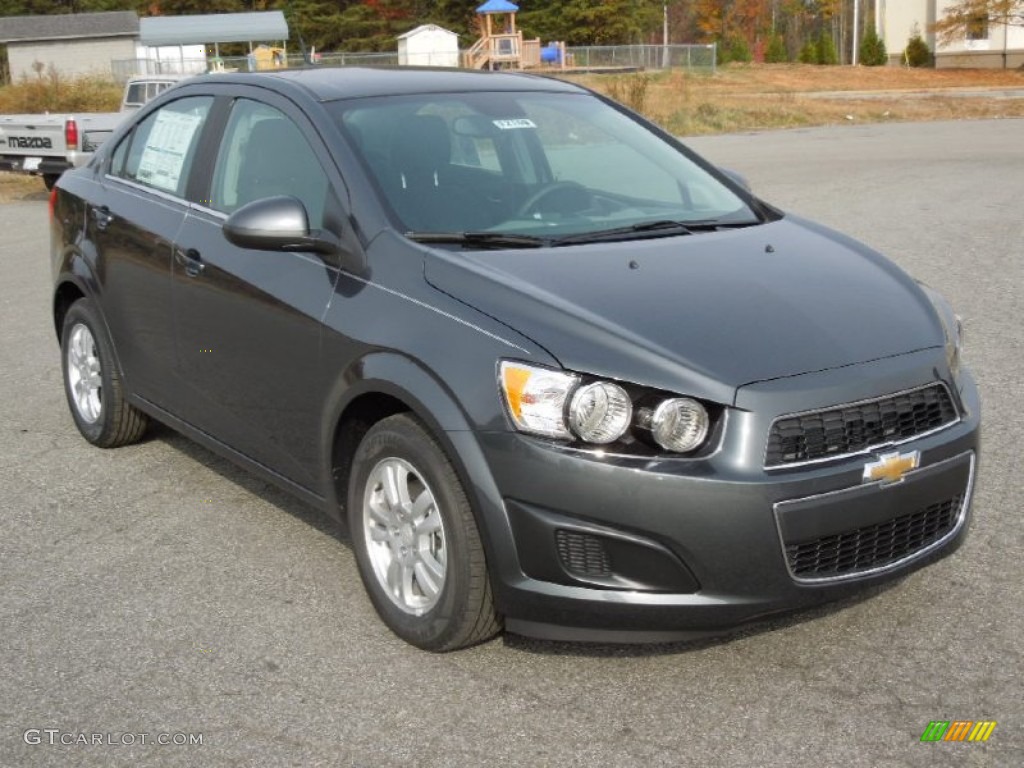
(422, 188)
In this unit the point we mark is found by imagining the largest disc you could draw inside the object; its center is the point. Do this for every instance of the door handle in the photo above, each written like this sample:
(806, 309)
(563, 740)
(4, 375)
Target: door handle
(102, 217)
(190, 260)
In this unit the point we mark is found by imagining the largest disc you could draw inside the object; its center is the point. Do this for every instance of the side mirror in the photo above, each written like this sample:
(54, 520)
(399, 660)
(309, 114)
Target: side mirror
(736, 177)
(278, 224)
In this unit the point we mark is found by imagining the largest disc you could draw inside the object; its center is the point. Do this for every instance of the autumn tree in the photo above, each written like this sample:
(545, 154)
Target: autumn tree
(970, 18)
(729, 20)
(966, 16)
(591, 22)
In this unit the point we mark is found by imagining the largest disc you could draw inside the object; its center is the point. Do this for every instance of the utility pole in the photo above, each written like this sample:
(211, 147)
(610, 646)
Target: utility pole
(856, 36)
(664, 35)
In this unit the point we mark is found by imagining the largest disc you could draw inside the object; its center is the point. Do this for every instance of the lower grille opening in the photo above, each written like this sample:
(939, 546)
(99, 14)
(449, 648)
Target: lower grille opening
(582, 554)
(873, 546)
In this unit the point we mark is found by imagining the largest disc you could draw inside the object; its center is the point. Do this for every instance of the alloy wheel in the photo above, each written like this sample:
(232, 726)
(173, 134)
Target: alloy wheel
(405, 536)
(85, 380)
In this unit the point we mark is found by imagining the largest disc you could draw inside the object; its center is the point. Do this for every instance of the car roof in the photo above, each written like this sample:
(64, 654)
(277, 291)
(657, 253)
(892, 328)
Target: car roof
(331, 84)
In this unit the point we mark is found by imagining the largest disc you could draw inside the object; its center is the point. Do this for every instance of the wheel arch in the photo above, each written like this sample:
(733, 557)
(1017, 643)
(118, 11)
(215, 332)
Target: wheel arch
(71, 287)
(381, 385)
(66, 294)
(75, 279)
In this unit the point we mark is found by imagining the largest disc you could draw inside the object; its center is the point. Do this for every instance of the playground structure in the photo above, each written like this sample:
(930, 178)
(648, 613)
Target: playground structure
(262, 57)
(506, 48)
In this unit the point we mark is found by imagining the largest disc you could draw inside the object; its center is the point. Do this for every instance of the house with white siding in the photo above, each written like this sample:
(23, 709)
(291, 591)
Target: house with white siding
(73, 44)
(118, 43)
(985, 45)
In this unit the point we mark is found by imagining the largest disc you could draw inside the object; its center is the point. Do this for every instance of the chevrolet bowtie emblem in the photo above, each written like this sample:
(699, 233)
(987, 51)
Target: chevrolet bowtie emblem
(891, 467)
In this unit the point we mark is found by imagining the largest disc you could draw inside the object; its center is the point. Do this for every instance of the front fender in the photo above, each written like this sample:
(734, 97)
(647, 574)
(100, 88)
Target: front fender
(425, 396)
(398, 376)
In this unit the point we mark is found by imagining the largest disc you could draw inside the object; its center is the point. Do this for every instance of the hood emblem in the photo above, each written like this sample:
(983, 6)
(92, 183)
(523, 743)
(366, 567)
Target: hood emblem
(891, 467)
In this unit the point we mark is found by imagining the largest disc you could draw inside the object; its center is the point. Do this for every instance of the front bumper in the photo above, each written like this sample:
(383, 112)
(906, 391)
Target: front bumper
(615, 548)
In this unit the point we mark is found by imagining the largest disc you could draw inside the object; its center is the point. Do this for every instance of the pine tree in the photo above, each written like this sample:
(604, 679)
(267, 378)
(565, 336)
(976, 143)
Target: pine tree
(872, 49)
(827, 50)
(776, 52)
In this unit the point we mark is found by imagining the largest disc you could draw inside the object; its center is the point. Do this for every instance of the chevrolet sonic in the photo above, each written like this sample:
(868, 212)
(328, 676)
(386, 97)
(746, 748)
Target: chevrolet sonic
(551, 370)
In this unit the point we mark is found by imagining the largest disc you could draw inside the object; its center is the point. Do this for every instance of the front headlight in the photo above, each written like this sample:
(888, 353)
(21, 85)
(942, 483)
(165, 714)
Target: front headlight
(955, 344)
(535, 398)
(569, 406)
(679, 424)
(952, 328)
(600, 412)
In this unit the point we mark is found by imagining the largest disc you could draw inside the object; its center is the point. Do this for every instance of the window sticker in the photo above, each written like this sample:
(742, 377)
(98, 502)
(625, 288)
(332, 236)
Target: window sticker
(516, 124)
(168, 143)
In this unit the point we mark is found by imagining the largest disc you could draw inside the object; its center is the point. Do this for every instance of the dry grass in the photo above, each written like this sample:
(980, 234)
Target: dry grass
(52, 92)
(753, 97)
(16, 186)
(808, 77)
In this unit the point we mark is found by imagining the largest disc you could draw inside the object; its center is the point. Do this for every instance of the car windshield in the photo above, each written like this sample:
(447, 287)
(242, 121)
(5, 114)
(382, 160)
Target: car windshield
(539, 165)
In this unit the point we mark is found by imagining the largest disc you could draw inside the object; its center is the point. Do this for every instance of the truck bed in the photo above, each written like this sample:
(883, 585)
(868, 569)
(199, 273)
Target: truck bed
(36, 143)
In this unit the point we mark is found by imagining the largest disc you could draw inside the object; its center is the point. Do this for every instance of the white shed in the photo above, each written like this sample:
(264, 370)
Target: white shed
(428, 46)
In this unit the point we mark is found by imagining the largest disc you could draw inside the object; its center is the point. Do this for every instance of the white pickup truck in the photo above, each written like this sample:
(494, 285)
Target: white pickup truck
(47, 145)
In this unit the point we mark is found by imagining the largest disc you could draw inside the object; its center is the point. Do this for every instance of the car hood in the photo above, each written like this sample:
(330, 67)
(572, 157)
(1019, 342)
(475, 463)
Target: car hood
(701, 314)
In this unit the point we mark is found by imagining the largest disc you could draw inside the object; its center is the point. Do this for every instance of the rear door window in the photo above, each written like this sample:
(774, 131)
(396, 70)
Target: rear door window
(163, 146)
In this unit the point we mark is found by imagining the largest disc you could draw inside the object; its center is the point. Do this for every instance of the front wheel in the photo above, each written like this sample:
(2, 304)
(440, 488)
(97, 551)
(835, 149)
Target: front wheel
(92, 382)
(416, 541)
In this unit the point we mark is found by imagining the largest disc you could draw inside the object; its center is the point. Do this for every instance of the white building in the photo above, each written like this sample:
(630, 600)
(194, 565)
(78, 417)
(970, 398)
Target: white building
(72, 44)
(987, 45)
(172, 59)
(428, 46)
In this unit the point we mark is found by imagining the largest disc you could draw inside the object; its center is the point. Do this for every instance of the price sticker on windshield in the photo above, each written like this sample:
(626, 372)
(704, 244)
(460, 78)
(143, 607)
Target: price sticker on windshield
(515, 125)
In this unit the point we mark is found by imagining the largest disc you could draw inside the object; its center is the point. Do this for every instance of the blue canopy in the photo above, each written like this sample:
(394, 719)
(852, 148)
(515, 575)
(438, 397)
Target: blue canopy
(498, 6)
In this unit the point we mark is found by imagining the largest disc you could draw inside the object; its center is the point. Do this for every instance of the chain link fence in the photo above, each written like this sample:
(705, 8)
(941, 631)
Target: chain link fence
(122, 69)
(597, 57)
(591, 58)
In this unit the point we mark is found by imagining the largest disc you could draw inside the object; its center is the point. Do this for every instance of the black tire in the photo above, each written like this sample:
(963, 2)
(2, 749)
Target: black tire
(49, 179)
(462, 612)
(106, 419)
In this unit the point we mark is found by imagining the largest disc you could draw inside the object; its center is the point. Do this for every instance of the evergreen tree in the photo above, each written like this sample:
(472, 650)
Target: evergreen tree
(872, 51)
(809, 53)
(827, 50)
(916, 54)
(776, 52)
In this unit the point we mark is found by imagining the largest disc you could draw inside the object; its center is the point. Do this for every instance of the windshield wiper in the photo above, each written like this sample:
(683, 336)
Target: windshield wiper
(660, 228)
(479, 239)
(646, 229)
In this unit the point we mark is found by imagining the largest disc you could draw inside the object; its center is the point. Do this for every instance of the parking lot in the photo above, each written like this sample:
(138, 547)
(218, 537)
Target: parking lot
(156, 590)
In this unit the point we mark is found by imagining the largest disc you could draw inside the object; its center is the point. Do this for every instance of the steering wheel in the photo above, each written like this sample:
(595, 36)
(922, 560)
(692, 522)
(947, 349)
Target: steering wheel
(571, 198)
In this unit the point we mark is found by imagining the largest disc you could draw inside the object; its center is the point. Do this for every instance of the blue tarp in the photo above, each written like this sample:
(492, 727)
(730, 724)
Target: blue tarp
(498, 6)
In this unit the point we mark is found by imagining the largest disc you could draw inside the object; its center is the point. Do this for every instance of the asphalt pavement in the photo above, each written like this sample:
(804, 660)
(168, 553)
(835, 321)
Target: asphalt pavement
(156, 593)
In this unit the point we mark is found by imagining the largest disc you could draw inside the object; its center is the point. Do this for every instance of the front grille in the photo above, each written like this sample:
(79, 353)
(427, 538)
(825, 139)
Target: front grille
(859, 426)
(873, 546)
(582, 554)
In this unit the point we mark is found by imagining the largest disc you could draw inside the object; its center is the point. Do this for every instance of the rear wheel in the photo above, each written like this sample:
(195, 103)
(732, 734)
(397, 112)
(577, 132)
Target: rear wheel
(49, 179)
(92, 383)
(416, 540)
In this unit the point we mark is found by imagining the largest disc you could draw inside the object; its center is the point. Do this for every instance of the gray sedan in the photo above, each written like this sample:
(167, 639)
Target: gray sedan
(552, 370)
